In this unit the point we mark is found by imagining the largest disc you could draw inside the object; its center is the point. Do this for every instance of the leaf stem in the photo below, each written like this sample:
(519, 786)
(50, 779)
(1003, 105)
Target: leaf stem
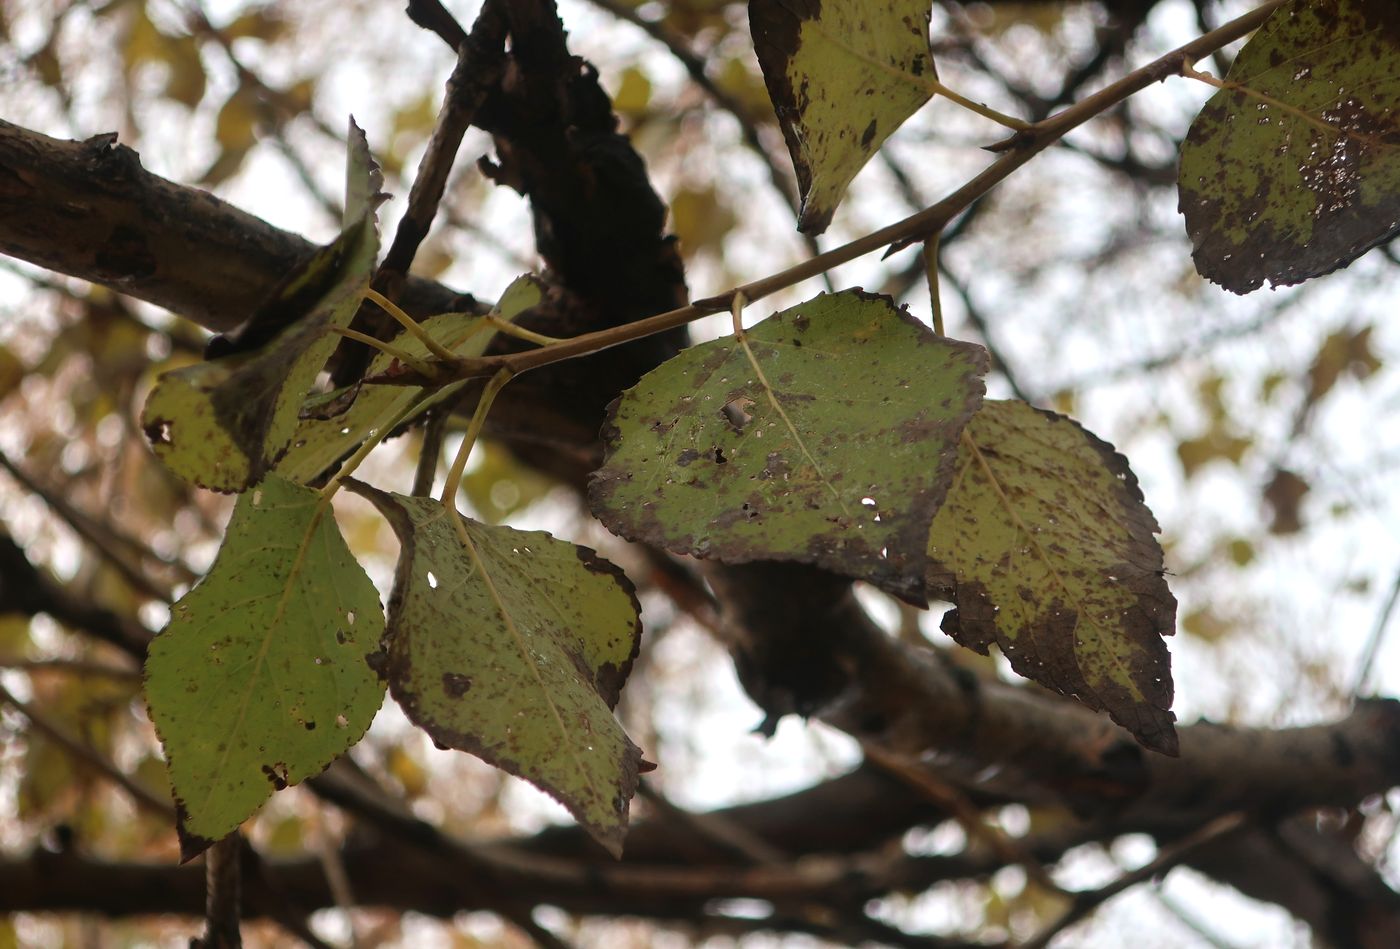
(483, 406)
(409, 323)
(519, 332)
(931, 273)
(388, 349)
(370, 443)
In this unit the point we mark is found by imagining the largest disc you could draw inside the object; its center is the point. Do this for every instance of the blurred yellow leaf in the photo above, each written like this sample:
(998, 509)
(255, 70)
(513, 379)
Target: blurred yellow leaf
(1241, 552)
(633, 93)
(46, 65)
(407, 771)
(11, 372)
(500, 486)
(1215, 445)
(1345, 352)
(236, 129)
(186, 81)
(701, 220)
(1205, 624)
(286, 837)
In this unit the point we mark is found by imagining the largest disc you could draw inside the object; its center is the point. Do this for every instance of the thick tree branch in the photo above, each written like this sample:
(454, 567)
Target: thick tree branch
(88, 209)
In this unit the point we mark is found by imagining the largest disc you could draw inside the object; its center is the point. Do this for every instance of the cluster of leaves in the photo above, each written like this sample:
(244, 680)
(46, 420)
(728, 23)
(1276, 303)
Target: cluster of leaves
(840, 433)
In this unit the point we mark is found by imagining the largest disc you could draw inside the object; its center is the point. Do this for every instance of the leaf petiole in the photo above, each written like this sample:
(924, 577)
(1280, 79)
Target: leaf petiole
(370, 443)
(388, 349)
(519, 332)
(459, 464)
(409, 324)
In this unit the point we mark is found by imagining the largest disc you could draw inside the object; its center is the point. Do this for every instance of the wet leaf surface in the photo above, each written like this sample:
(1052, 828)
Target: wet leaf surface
(1294, 171)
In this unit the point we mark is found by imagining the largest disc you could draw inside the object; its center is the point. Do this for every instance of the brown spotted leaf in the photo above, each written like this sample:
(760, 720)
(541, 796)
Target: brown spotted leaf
(514, 646)
(1047, 549)
(837, 454)
(842, 76)
(1293, 170)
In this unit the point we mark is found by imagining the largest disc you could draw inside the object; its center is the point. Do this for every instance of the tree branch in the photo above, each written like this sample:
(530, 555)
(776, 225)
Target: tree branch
(88, 209)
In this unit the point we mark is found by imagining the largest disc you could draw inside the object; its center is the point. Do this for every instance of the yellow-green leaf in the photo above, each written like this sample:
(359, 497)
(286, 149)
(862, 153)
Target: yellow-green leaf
(1047, 549)
(514, 646)
(260, 679)
(842, 76)
(1293, 169)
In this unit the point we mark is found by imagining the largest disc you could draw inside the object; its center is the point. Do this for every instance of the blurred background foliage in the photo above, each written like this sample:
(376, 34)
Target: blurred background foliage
(1261, 427)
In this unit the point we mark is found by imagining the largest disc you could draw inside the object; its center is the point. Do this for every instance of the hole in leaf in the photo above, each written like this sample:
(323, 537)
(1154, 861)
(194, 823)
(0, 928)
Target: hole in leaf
(432, 580)
(736, 413)
(719, 456)
(159, 432)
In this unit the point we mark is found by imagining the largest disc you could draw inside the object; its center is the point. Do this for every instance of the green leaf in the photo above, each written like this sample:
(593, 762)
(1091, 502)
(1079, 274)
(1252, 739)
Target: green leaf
(260, 680)
(222, 424)
(840, 459)
(514, 646)
(334, 424)
(842, 76)
(1047, 549)
(1293, 170)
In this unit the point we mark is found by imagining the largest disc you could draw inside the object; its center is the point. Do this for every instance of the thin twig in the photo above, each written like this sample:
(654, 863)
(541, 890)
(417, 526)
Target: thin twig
(102, 537)
(1167, 858)
(433, 16)
(84, 754)
(967, 815)
(717, 829)
(979, 322)
(1373, 642)
(480, 60)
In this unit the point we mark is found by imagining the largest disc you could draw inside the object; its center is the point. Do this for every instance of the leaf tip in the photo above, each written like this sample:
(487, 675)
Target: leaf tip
(191, 844)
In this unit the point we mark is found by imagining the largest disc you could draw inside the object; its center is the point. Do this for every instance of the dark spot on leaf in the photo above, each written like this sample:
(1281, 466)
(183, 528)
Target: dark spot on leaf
(455, 685)
(868, 135)
(276, 774)
(158, 431)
